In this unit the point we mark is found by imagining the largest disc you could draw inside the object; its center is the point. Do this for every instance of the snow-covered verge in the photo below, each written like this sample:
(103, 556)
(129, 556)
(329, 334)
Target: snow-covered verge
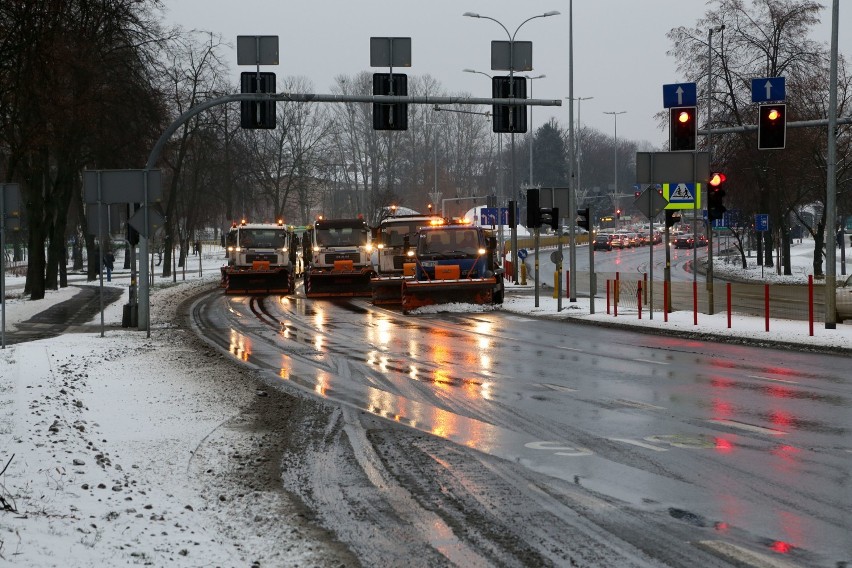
(124, 449)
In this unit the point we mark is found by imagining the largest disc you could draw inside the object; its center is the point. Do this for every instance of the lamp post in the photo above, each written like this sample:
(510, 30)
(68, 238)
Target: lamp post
(435, 195)
(500, 197)
(615, 156)
(579, 149)
(532, 131)
(511, 37)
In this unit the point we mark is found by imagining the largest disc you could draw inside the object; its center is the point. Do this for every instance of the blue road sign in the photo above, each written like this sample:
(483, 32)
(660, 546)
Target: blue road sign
(679, 94)
(761, 221)
(768, 89)
(488, 216)
(504, 215)
(522, 253)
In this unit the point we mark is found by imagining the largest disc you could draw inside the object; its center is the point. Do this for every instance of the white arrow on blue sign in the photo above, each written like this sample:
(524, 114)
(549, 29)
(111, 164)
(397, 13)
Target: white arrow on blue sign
(679, 94)
(768, 89)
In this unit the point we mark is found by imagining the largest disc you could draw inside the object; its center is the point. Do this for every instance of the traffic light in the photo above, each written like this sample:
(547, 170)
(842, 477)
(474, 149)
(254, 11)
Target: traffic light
(772, 127)
(584, 221)
(257, 114)
(715, 200)
(682, 129)
(392, 116)
(549, 217)
(618, 213)
(513, 214)
(533, 210)
(672, 216)
(508, 118)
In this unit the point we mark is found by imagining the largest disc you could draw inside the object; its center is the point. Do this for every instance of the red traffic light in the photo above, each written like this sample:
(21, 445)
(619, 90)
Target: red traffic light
(684, 116)
(717, 179)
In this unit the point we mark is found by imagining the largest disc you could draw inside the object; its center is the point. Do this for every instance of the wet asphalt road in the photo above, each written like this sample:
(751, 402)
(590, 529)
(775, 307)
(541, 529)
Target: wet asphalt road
(494, 438)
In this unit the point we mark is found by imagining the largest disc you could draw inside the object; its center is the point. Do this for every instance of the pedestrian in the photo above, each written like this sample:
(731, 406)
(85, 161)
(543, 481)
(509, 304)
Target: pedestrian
(109, 262)
(196, 248)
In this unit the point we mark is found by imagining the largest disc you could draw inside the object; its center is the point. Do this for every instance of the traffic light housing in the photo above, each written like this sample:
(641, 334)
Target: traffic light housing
(392, 116)
(772, 126)
(550, 217)
(513, 214)
(716, 197)
(618, 213)
(682, 129)
(533, 209)
(673, 216)
(584, 221)
(508, 118)
(257, 114)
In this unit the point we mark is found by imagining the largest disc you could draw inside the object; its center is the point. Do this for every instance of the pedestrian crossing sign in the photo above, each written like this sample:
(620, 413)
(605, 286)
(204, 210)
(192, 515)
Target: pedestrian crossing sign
(682, 195)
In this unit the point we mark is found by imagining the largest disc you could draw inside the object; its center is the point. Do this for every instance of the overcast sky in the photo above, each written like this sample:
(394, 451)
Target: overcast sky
(620, 46)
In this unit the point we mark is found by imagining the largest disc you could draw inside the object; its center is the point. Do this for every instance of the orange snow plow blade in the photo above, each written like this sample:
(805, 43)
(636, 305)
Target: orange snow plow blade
(416, 294)
(254, 281)
(386, 290)
(343, 283)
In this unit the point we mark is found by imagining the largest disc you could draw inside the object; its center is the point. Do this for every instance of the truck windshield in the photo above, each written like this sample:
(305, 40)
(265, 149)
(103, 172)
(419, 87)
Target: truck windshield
(395, 233)
(450, 241)
(262, 238)
(341, 237)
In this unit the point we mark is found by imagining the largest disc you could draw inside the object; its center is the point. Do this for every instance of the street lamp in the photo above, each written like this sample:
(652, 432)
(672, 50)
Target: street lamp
(615, 155)
(511, 37)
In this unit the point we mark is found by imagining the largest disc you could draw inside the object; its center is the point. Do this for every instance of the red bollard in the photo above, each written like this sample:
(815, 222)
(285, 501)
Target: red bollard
(694, 303)
(607, 296)
(639, 298)
(811, 304)
(665, 300)
(508, 266)
(766, 303)
(728, 287)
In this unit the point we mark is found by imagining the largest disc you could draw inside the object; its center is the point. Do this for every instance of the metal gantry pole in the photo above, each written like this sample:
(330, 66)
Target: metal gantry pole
(831, 181)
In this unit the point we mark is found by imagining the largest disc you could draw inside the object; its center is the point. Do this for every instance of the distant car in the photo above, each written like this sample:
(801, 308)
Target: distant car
(603, 242)
(684, 240)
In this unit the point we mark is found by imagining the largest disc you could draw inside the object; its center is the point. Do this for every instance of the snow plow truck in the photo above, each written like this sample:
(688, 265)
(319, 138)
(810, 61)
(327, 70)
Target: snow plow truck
(392, 264)
(261, 259)
(453, 263)
(337, 258)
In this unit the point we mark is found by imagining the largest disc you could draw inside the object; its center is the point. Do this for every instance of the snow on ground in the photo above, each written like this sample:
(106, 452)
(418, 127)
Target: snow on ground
(117, 449)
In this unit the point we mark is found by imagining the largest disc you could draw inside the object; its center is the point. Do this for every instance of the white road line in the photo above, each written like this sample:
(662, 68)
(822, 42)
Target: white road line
(654, 362)
(640, 444)
(748, 427)
(773, 380)
(557, 387)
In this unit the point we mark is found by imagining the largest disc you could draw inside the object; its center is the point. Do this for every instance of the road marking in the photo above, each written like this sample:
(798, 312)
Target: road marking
(638, 443)
(559, 448)
(748, 427)
(654, 362)
(557, 387)
(638, 404)
(773, 380)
